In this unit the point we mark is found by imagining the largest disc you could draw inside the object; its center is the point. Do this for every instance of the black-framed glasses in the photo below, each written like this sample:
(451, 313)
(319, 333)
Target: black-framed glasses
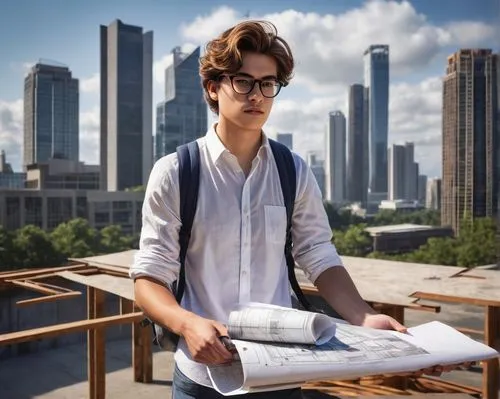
(242, 84)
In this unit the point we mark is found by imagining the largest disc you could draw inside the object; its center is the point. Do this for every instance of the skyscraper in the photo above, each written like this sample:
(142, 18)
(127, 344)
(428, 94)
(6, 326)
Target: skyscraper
(182, 116)
(470, 137)
(376, 65)
(396, 177)
(51, 107)
(318, 170)
(126, 106)
(402, 172)
(433, 195)
(357, 157)
(336, 158)
(286, 139)
(422, 189)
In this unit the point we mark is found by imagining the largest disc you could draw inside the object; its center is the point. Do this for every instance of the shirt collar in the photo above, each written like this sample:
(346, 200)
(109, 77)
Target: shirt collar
(214, 144)
(216, 148)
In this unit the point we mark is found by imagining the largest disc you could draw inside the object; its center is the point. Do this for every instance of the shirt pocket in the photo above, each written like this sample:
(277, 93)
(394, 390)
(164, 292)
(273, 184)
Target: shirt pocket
(275, 224)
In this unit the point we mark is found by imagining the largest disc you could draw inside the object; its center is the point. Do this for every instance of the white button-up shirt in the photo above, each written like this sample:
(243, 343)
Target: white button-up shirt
(236, 250)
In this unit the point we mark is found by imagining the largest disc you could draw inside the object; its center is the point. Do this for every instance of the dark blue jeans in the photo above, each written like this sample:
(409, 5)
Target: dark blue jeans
(184, 388)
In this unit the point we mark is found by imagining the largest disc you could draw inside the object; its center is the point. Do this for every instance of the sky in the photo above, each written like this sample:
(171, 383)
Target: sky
(327, 37)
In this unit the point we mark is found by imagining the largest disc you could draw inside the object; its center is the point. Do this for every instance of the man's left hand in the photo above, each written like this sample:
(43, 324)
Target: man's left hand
(383, 322)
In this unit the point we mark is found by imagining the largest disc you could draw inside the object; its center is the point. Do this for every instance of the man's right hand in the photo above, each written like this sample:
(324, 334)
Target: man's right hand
(202, 338)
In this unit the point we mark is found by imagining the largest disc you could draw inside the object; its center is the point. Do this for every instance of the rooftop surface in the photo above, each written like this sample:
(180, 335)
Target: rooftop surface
(398, 228)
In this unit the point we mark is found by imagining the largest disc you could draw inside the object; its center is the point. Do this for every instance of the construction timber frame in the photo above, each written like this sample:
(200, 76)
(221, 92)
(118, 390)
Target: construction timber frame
(102, 277)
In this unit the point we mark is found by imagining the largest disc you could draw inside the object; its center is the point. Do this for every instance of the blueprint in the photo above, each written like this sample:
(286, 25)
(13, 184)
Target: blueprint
(349, 345)
(269, 323)
(352, 352)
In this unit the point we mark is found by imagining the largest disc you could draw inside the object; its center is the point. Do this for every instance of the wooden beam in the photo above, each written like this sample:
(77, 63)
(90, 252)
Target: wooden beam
(100, 346)
(48, 298)
(454, 299)
(35, 272)
(96, 353)
(142, 353)
(116, 269)
(91, 350)
(491, 368)
(87, 271)
(68, 328)
(34, 287)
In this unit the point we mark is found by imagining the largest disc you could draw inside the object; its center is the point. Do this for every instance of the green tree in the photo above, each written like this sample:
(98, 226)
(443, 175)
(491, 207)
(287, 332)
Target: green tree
(423, 216)
(32, 247)
(437, 251)
(354, 241)
(75, 239)
(340, 219)
(386, 217)
(113, 239)
(6, 250)
(476, 243)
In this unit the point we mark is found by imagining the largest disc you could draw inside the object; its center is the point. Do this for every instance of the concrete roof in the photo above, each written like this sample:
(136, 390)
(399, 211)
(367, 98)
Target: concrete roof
(397, 228)
(377, 280)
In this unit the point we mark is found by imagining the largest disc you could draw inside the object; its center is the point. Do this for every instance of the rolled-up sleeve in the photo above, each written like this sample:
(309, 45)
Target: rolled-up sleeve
(158, 254)
(313, 249)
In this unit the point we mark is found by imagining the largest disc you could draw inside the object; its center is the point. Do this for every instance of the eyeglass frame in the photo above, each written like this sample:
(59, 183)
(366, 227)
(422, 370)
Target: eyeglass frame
(259, 81)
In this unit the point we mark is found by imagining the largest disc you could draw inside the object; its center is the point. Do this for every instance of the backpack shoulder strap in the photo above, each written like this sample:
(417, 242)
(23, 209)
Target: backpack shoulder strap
(288, 179)
(189, 181)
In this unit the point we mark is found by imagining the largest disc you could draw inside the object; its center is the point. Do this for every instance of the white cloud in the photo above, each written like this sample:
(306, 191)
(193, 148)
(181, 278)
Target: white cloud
(11, 131)
(89, 136)
(159, 67)
(23, 67)
(91, 85)
(329, 48)
(470, 33)
(208, 26)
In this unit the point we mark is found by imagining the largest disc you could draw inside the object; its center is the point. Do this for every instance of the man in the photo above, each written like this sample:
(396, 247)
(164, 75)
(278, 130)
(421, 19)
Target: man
(236, 253)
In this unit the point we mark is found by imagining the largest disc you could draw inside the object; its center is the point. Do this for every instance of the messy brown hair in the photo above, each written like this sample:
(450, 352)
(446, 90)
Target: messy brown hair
(224, 54)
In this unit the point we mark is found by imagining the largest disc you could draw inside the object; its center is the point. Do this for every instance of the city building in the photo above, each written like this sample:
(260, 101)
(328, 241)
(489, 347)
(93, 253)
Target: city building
(318, 169)
(376, 81)
(49, 208)
(286, 139)
(402, 172)
(126, 142)
(63, 174)
(433, 195)
(357, 146)
(471, 176)
(51, 114)
(336, 158)
(182, 116)
(422, 189)
(400, 205)
(401, 238)
(9, 178)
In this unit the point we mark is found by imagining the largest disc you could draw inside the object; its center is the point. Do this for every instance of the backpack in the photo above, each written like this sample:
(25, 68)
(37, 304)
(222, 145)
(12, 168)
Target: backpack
(189, 180)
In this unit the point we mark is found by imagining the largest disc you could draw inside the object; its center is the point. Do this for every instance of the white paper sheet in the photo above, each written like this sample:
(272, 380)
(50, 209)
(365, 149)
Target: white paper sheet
(268, 323)
(352, 352)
